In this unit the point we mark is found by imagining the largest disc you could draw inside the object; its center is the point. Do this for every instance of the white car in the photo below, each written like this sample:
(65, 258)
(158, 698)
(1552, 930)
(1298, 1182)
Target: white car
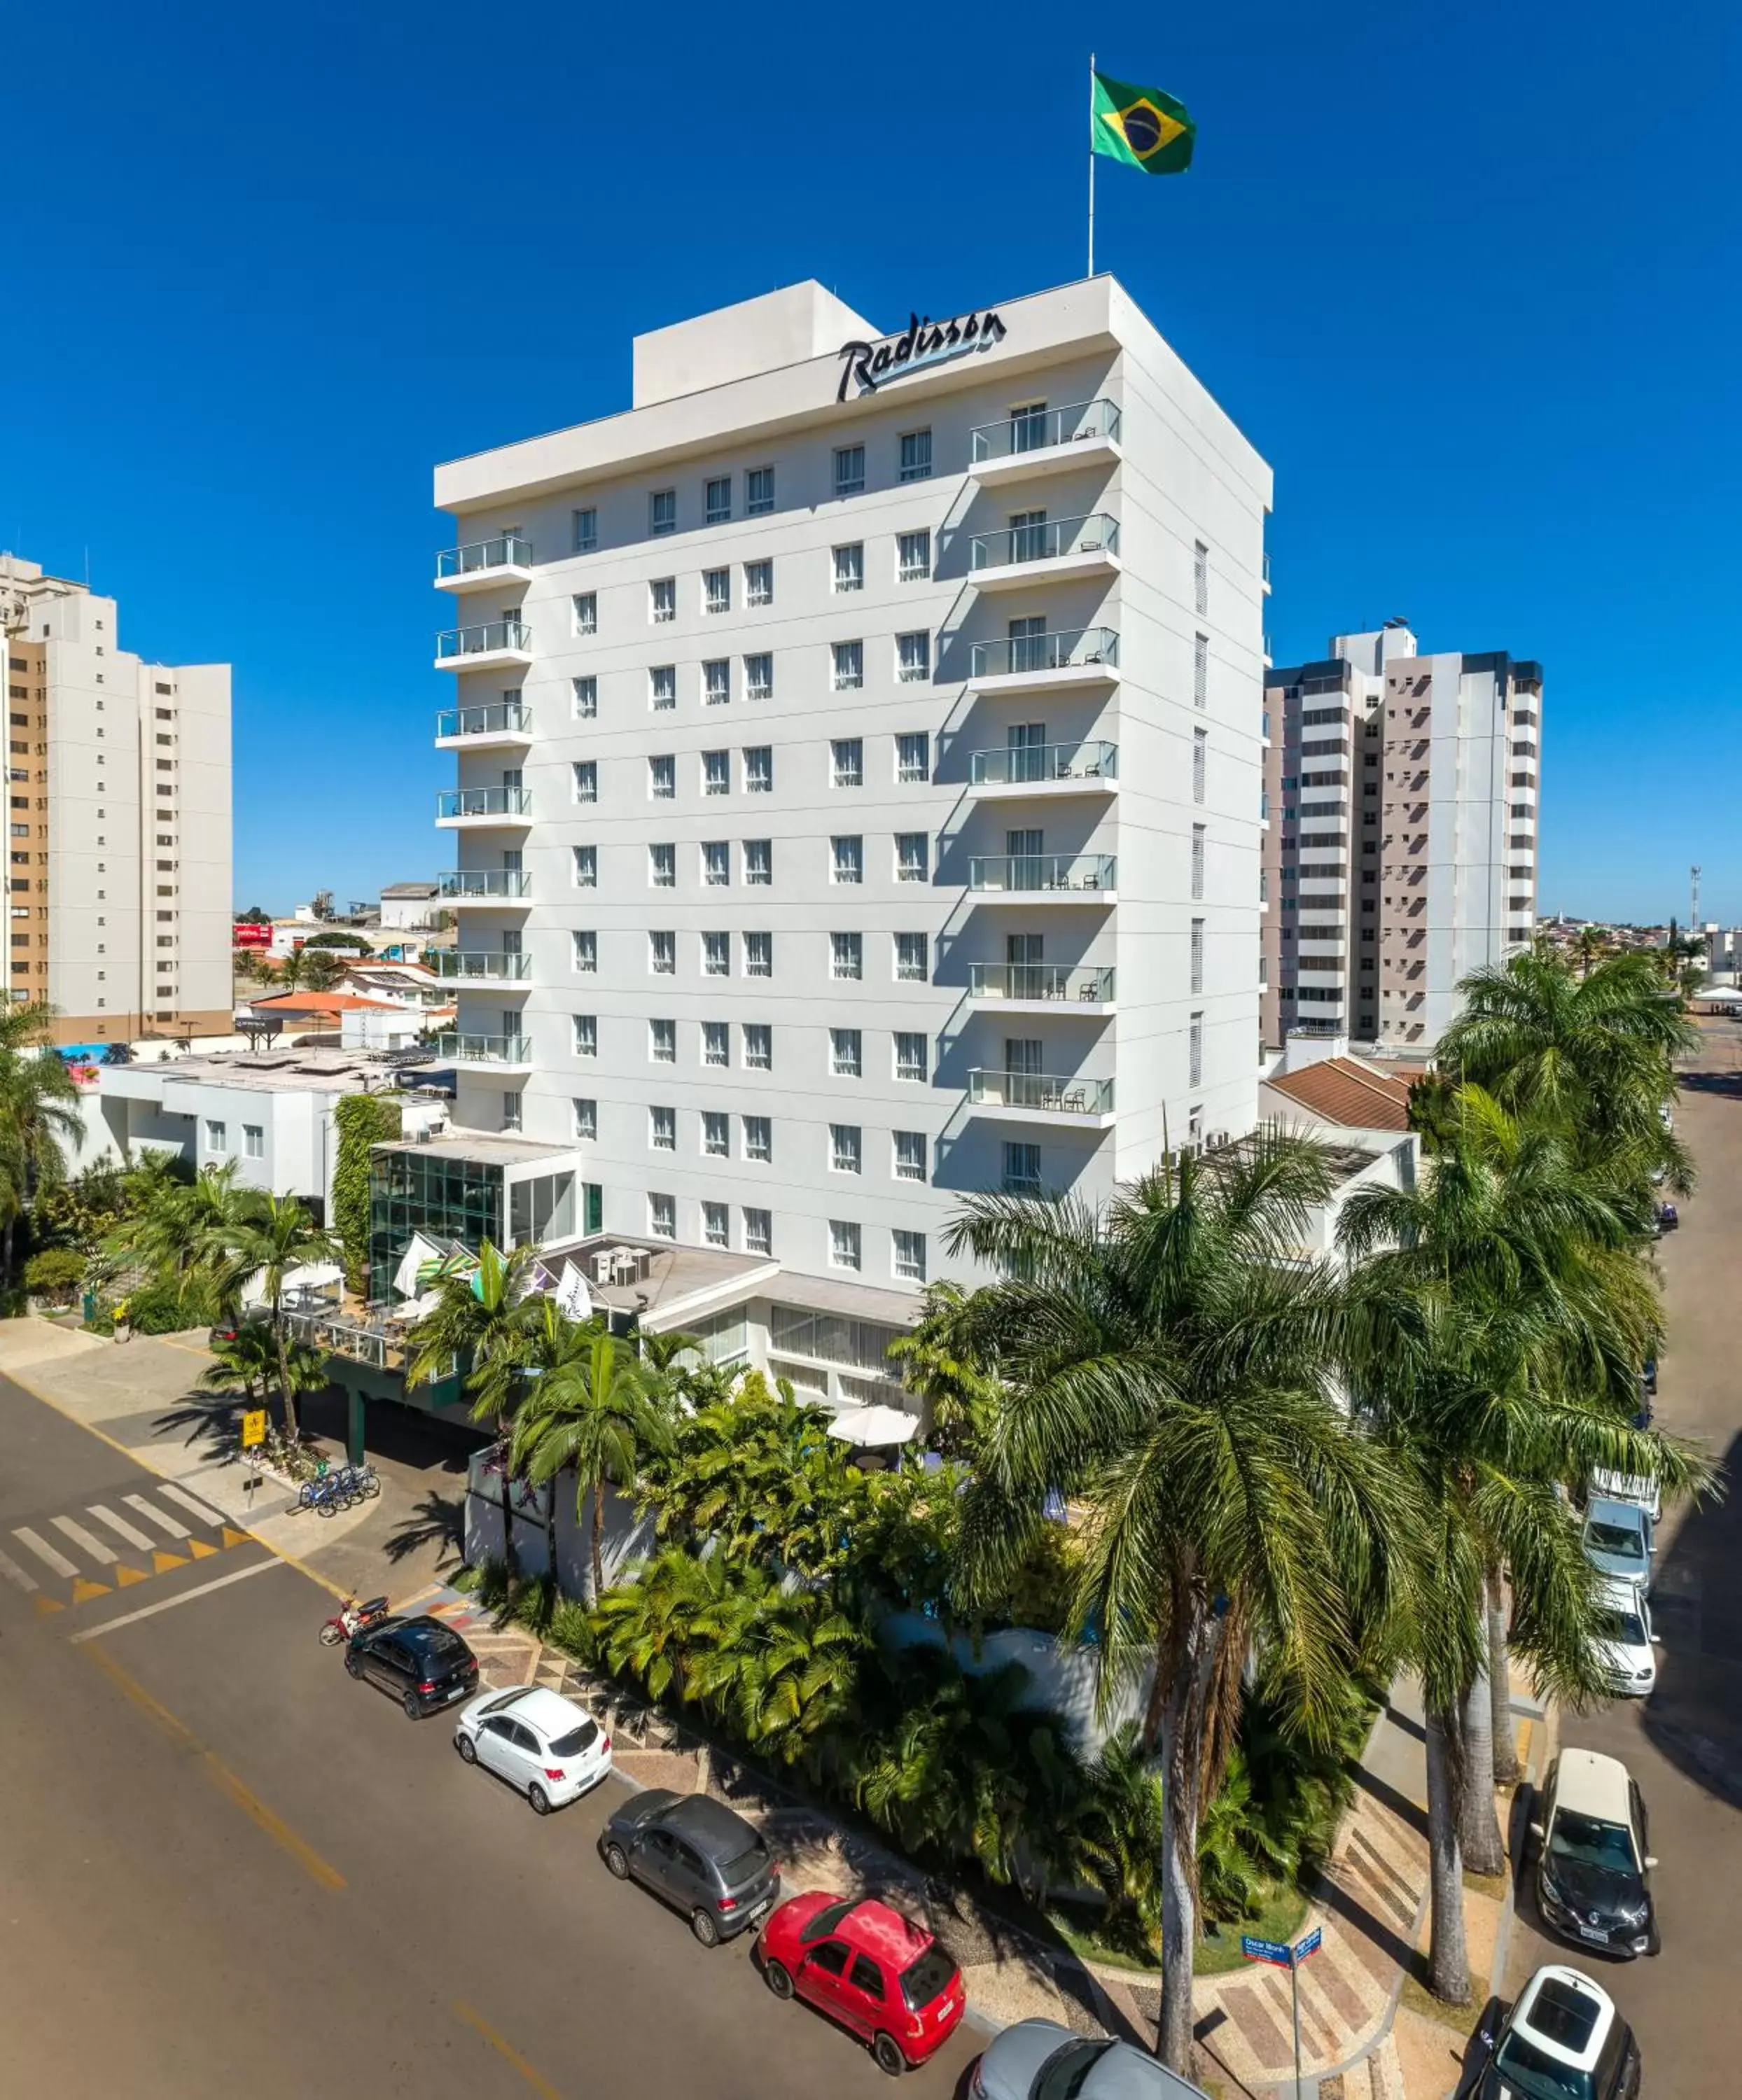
(1562, 2040)
(1620, 1541)
(1639, 1487)
(1626, 1646)
(550, 1749)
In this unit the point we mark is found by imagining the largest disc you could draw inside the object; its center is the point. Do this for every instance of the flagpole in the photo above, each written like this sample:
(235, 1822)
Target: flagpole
(1091, 164)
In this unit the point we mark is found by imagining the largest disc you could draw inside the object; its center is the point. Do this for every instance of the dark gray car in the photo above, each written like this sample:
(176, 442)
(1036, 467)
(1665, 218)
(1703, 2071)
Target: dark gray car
(1041, 2060)
(695, 1852)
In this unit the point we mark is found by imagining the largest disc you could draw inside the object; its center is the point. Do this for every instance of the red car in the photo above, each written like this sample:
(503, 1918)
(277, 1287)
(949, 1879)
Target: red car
(867, 1966)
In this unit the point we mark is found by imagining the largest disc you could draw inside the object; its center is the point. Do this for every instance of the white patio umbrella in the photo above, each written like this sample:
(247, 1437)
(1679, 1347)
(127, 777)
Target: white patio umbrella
(873, 1425)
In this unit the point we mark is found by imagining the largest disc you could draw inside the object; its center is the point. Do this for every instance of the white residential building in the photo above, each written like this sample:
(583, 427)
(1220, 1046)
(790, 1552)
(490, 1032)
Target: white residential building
(858, 759)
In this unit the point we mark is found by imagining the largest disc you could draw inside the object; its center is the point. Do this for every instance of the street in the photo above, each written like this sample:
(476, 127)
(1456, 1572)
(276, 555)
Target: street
(1684, 1745)
(225, 1864)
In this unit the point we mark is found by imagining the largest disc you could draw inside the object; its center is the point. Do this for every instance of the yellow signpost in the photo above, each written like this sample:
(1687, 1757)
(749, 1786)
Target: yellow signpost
(253, 1427)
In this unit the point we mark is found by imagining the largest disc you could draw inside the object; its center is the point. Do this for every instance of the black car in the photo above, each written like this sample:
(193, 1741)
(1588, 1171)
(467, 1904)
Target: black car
(425, 1665)
(703, 1859)
(1594, 1858)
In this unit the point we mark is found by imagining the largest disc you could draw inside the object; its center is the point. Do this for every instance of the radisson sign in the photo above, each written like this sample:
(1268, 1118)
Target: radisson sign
(922, 343)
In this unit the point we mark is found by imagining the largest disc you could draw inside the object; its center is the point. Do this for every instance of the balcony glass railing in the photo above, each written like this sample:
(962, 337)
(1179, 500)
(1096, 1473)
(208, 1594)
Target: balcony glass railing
(1024, 766)
(1085, 649)
(1048, 541)
(1088, 986)
(471, 965)
(1040, 1090)
(486, 1049)
(510, 552)
(499, 717)
(490, 882)
(1035, 430)
(483, 802)
(487, 639)
(1027, 872)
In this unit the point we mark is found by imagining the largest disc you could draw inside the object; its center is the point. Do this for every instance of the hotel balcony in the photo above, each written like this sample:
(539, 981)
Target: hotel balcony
(496, 1053)
(496, 645)
(1042, 988)
(1076, 1103)
(1046, 441)
(508, 560)
(484, 885)
(1055, 549)
(483, 806)
(1023, 771)
(1045, 663)
(1047, 878)
(481, 966)
(502, 726)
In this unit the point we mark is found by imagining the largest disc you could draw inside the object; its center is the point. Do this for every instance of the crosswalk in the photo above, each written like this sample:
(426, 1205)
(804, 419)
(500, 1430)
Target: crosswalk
(167, 1529)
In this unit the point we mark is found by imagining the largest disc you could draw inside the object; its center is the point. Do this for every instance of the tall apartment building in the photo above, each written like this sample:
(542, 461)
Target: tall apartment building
(119, 793)
(1401, 852)
(859, 765)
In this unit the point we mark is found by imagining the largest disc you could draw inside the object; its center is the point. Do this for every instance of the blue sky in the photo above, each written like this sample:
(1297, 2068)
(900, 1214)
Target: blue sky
(1467, 276)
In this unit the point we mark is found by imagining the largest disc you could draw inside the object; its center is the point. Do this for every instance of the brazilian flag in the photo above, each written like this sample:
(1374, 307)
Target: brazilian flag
(1141, 126)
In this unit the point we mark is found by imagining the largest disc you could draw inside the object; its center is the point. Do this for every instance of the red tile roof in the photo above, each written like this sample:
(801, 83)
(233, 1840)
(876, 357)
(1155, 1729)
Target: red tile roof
(326, 1002)
(1346, 1091)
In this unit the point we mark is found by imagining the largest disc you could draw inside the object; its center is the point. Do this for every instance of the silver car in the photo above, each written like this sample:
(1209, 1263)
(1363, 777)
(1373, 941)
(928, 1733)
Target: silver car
(1041, 2060)
(1620, 1541)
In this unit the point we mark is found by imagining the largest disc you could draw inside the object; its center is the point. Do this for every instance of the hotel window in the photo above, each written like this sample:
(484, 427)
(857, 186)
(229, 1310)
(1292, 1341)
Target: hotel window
(254, 1141)
(716, 1134)
(759, 491)
(1199, 763)
(662, 954)
(585, 866)
(662, 1129)
(662, 1217)
(662, 1042)
(846, 756)
(759, 1139)
(1200, 670)
(584, 774)
(717, 500)
(908, 1155)
(758, 582)
(850, 566)
(849, 666)
(849, 469)
(1197, 860)
(846, 1053)
(662, 686)
(585, 532)
(1195, 1052)
(913, 958)
(758, 677)
(910, 1055)
(716, 682)
(847, 860)
(916, 456)
(1022, 1169)
(716, 1224)
(908, 1251)
(847, 956)
(913, 757)
(586, 1034)
(716, 773)
(716, 955)
(913, 857)
(913, 658)
(1196, 982)
(1200, 577)
(662, 777)
(758, 1046)
(513, 1110)
(586, 700)
(662, 512)
(716, 864)
(913, 551)
(757, 950)
(843, 1244)
(716, 590)
(758, 769)
(662, 600)
(844, 1147)
(662, 866)
(583, 1118)
(716, 1042)
(585, 606)
(758, 1231)
(758, 862)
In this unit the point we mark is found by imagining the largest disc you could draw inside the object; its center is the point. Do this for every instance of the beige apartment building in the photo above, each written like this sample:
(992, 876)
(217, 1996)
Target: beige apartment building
(1401, 791)
(118, 788)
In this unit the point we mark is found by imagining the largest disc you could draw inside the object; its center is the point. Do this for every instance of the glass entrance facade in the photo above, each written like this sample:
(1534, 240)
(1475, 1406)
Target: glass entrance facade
(444, 1198)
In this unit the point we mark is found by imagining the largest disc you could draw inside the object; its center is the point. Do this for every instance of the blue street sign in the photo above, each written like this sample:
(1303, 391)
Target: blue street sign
(1275, 1951)
(1309, 1945)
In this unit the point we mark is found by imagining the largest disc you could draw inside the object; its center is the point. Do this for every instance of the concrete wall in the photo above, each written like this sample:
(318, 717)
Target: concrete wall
(626, 1536)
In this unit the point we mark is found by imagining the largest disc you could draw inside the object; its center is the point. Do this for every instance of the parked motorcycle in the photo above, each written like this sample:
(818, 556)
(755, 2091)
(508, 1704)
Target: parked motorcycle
(354, 1618)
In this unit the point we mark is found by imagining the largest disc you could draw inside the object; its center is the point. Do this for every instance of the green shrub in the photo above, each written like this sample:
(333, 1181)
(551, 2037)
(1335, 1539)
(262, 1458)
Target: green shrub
(56, 1272)
(166, 1308)
(571, 1629)
(362, 1121)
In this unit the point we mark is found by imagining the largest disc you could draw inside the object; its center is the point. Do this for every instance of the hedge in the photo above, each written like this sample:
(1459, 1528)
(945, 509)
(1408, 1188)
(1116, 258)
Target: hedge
(363, 1120)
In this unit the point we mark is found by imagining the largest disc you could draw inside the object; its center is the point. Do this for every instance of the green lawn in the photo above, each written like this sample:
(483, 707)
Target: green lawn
(1278, 1917)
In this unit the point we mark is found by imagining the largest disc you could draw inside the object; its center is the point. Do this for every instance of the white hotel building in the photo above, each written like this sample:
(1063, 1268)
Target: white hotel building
(859, 757)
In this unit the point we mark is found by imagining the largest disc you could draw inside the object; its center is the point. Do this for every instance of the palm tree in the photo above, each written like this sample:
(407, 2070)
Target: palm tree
(1168, 1365)
(37, 1117)
(1590, 946)
(179, 1229)
(273, 1236)
(246, 1362)
(781, 1664)
(592, 1406)
(649, 1627)
(958, 1398)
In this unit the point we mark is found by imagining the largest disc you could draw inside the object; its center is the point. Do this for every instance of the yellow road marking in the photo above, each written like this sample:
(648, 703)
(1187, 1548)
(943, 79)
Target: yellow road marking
(84, 1590)
(220, 1774)
(231, 1537)
(162, 1563)
(506, 2050)
(127, 1577)
(201, 1550)
(45, 1605)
